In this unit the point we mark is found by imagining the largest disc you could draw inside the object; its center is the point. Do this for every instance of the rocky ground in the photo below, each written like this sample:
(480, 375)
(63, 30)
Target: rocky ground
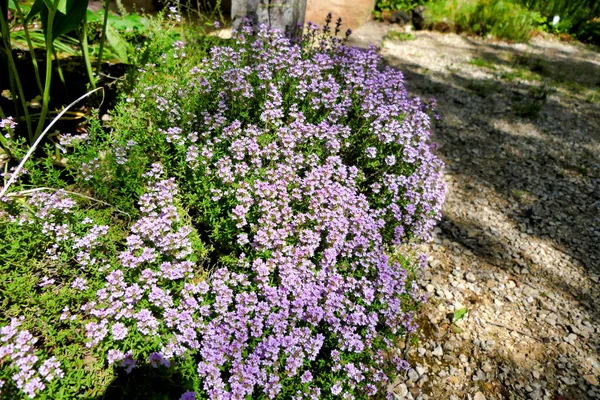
(518, 248)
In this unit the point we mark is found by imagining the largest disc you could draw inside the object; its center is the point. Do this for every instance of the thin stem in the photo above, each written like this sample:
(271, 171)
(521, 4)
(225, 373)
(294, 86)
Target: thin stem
(5, 172)
(27, 192)
(103, 38)
(38, 140)
(86, 53)
(48, 80)
(15, 81)
(30, 46)
(59, 69)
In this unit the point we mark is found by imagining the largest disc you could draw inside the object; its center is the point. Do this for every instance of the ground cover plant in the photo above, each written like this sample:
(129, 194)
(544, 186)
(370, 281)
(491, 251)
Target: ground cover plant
(229, 235)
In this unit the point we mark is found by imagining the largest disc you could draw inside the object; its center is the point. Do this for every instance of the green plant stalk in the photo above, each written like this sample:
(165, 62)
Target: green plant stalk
(38, 139)
(4, 146)
(30, 47)
(86, 53)
(58, 68)
(103, 38)
(48, 80)
(15, 81)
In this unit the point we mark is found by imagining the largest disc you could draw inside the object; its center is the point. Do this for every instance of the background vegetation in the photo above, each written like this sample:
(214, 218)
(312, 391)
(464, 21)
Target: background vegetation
(509, 19)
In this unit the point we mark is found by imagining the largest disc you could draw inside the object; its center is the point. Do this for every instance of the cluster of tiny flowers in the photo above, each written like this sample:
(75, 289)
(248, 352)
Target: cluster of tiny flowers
(10, 174)
(136, 293)
(120, 151)
(8, 123)
(53, 210)
(17, 353)
(332, 157)
(68, 139)
(89, 168)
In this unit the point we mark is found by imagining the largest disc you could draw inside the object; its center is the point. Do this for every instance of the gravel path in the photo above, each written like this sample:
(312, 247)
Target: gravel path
(519, 244)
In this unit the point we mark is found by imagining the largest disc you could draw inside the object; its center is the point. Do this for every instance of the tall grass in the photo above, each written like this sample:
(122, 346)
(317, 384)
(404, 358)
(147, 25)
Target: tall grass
(571, 12)
(500, 18)
(580, 18)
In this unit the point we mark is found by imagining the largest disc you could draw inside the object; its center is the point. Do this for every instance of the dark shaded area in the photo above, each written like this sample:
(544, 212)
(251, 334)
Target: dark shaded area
(562, 187)
(145, 383)
(76, 84)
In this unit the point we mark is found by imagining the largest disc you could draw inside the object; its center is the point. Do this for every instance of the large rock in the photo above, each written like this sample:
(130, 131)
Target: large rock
(354, 13)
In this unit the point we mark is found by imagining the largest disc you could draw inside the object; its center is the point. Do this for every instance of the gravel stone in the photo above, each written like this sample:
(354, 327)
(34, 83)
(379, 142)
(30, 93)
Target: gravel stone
(479, 396)
(518, 243)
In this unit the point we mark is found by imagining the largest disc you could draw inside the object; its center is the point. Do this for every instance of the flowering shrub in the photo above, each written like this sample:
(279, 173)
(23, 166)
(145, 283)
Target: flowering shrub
(271, 179)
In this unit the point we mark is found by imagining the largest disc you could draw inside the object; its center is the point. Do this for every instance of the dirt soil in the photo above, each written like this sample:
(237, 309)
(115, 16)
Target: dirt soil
(519, 244)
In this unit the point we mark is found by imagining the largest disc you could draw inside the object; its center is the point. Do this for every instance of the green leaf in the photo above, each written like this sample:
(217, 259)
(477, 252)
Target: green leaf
(37, 7)
(62, 6)
(70, 19)
(459, 314)
(117, 43)
(65, 22)
(128, 22)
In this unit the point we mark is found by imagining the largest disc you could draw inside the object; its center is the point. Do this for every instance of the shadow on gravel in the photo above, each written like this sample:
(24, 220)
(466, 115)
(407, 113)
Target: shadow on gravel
(563, 205)
(543, 164)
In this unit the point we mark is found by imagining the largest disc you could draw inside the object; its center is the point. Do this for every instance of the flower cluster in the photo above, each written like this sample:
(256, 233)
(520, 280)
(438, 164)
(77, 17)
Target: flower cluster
(137, 294)
(17, 352)
(301, 165)
(8, 123)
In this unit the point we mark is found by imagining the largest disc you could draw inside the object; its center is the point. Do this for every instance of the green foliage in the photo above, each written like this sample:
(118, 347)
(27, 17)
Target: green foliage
(573, 14)
(482, 63)
(459, 314)
(590, 31)
(498, 18)
(69, 15)
(122, 33)
(400, 36)
(395, 5)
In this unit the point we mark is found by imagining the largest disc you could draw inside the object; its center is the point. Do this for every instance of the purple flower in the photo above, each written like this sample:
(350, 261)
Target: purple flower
(128, 362)
(188, 396)
(79, 284)
(336, 389)
(119, 331)
(115, 356)
(45, 281)
(157, 359)
(306, 377)
(8, 123)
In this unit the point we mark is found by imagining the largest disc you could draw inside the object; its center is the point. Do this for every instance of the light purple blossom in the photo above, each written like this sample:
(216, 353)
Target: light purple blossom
(128, 362)
(8, 123)
(17, 351)
(188, 396)
(157, 359)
